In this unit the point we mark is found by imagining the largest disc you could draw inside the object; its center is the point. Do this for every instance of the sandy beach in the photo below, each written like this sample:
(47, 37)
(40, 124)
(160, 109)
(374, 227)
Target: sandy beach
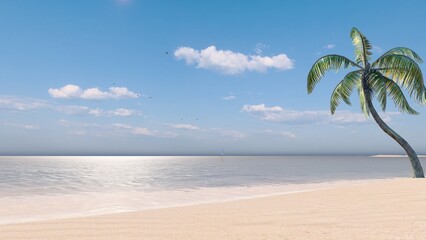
(384, 209)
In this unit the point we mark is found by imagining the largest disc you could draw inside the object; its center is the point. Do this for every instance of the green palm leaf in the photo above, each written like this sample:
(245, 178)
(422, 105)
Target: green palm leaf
(398, 97)
(362, 99)
(402, 51)
(362, 47)
(405, 72)
(324, 64)
(343, 90)
(378, 86)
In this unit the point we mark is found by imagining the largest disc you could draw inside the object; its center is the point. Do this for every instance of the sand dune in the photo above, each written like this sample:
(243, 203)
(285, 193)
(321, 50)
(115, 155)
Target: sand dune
(385, 209)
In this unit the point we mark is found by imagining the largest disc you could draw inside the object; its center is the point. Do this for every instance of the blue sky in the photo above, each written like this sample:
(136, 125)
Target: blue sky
(192, 77)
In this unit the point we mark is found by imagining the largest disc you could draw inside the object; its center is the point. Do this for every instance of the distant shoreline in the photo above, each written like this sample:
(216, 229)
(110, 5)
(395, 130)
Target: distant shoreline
(394, 156)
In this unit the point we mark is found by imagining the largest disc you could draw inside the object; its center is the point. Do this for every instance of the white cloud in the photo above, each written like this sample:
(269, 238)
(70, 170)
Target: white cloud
(64, 122)
(229, 62)
(28, 104)
(122, 126)
(329, 46)
(21, 104)
(281, 133)
(228, 133)
(142, 131)
(261, 108)
(93, 93)
(74, 91)
(97, 112)
(122, 112)
(259, 48)
(233, 134)
(230, 97)
(122, 92)
(287, 134)
(184, 126)
(278, 114)
(73, 109)
(190, 55)
(119, 112)
(115, 129)
(128, 129)
(23, 126)
(67, 91)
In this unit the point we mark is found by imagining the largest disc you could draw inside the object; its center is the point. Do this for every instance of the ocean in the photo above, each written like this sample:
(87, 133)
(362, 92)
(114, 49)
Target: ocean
(42, 188)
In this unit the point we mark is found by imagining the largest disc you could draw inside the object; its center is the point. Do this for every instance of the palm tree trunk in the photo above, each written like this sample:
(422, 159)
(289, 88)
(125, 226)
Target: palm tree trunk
(414, 160)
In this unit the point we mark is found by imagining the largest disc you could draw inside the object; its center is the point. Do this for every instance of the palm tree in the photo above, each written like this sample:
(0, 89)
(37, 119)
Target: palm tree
(384, 77)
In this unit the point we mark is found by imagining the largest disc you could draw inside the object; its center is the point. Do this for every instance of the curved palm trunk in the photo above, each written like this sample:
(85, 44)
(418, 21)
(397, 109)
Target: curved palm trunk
(414, 160)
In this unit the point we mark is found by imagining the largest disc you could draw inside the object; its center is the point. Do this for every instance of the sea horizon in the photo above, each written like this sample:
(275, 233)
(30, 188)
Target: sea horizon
(210, 155)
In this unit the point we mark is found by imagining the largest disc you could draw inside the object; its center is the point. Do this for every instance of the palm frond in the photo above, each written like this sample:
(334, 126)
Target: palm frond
(362, 100)
(424, 97)
(402, 51)
(405, 72)
(378, 86)
(398, 97)
(362, 47)
(324, 64)
(343, 90)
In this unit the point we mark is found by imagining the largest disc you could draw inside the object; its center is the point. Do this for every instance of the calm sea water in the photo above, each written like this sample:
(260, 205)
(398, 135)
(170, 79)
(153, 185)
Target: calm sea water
(34, 188)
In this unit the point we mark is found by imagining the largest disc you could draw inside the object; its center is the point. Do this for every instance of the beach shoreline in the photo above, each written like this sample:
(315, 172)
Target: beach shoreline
(27, 209)
(381, 209)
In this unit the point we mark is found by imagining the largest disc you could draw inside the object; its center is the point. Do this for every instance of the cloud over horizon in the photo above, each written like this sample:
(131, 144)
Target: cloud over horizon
(184, 126)
(231, 63)
(97, 112)
(29, 104)
(21, 104)
(114, 129)
(281, 115)
(24, 126)
(74, 91)
(285, 134)
(228, 133)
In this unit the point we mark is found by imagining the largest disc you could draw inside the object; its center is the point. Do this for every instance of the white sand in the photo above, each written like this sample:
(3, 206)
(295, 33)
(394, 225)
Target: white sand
(388, 209)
